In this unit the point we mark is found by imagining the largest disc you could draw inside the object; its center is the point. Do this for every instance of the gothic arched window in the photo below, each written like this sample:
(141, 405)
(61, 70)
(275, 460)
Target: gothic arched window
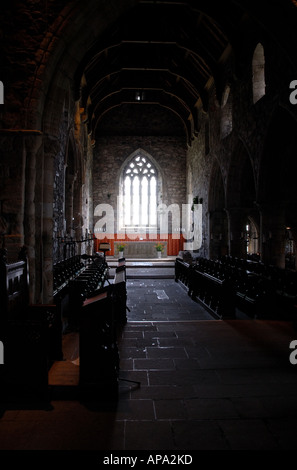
(140, 193)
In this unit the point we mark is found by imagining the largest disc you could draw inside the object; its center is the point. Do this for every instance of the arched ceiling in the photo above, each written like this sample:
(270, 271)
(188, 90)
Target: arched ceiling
(165, 54)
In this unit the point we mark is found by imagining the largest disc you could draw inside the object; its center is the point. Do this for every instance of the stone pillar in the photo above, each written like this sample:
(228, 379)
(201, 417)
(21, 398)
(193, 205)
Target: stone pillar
(32, 145)
(294, 235)
(51, 147)
(273, 235)
(12, 187)
(218, 230)
(18, 197)
(69, 203)
(236, 226)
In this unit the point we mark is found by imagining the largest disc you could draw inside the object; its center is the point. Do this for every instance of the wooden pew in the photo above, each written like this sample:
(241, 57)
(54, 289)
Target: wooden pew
(120, 292)
(215, 294)
(98, 350)
(260, 291)
(30, 335)
(81, 286)
(14, 293)
(101, 314)
(182, 271)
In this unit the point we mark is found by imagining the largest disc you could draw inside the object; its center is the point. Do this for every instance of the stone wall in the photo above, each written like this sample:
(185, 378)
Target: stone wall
(111, 152)
(241, 164)
(12, 192)
(229, 168)
(72, 187)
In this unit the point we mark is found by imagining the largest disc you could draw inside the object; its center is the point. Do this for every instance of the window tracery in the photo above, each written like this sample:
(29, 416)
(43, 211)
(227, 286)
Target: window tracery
(140, 193)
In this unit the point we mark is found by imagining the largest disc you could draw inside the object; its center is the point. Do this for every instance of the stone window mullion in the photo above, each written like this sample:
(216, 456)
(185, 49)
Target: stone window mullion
(149, 202)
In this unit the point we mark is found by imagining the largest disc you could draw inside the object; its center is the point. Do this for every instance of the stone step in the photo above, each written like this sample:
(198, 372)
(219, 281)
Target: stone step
(144, 268)
(111, 261)
(144, 265)
(146, 274)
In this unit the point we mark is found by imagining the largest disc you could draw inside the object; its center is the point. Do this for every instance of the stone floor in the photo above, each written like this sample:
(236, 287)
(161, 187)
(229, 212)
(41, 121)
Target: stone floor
(209, 385)
(188, 383)
(161, 300)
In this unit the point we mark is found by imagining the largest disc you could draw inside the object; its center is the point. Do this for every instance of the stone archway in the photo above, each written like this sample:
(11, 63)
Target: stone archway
(241, 201)
(51, 110)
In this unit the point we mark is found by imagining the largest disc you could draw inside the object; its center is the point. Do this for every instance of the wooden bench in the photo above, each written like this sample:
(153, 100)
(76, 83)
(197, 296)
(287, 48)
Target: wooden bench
(120, 292)
(182, 271)
(100, 311)
(74, 278)
(102, 314)
(215, 294)
(31, 335)
(257, 290)
(98, 350)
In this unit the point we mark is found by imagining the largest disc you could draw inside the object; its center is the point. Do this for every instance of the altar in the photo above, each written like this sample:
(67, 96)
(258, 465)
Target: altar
(140, 249)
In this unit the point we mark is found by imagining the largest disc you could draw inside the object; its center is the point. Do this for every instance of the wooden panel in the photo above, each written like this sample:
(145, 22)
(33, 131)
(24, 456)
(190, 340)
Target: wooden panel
(64, 373)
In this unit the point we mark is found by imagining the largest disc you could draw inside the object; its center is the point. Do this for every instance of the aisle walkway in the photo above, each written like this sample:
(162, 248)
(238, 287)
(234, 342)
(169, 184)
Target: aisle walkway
(208, 385)
(162, 300)
(204, 384)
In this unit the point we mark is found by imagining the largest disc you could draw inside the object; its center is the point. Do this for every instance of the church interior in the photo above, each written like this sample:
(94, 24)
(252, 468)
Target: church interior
(148, 271)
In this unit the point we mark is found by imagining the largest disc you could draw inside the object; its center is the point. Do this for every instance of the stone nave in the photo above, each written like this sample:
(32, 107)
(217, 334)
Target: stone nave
(147, 124)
